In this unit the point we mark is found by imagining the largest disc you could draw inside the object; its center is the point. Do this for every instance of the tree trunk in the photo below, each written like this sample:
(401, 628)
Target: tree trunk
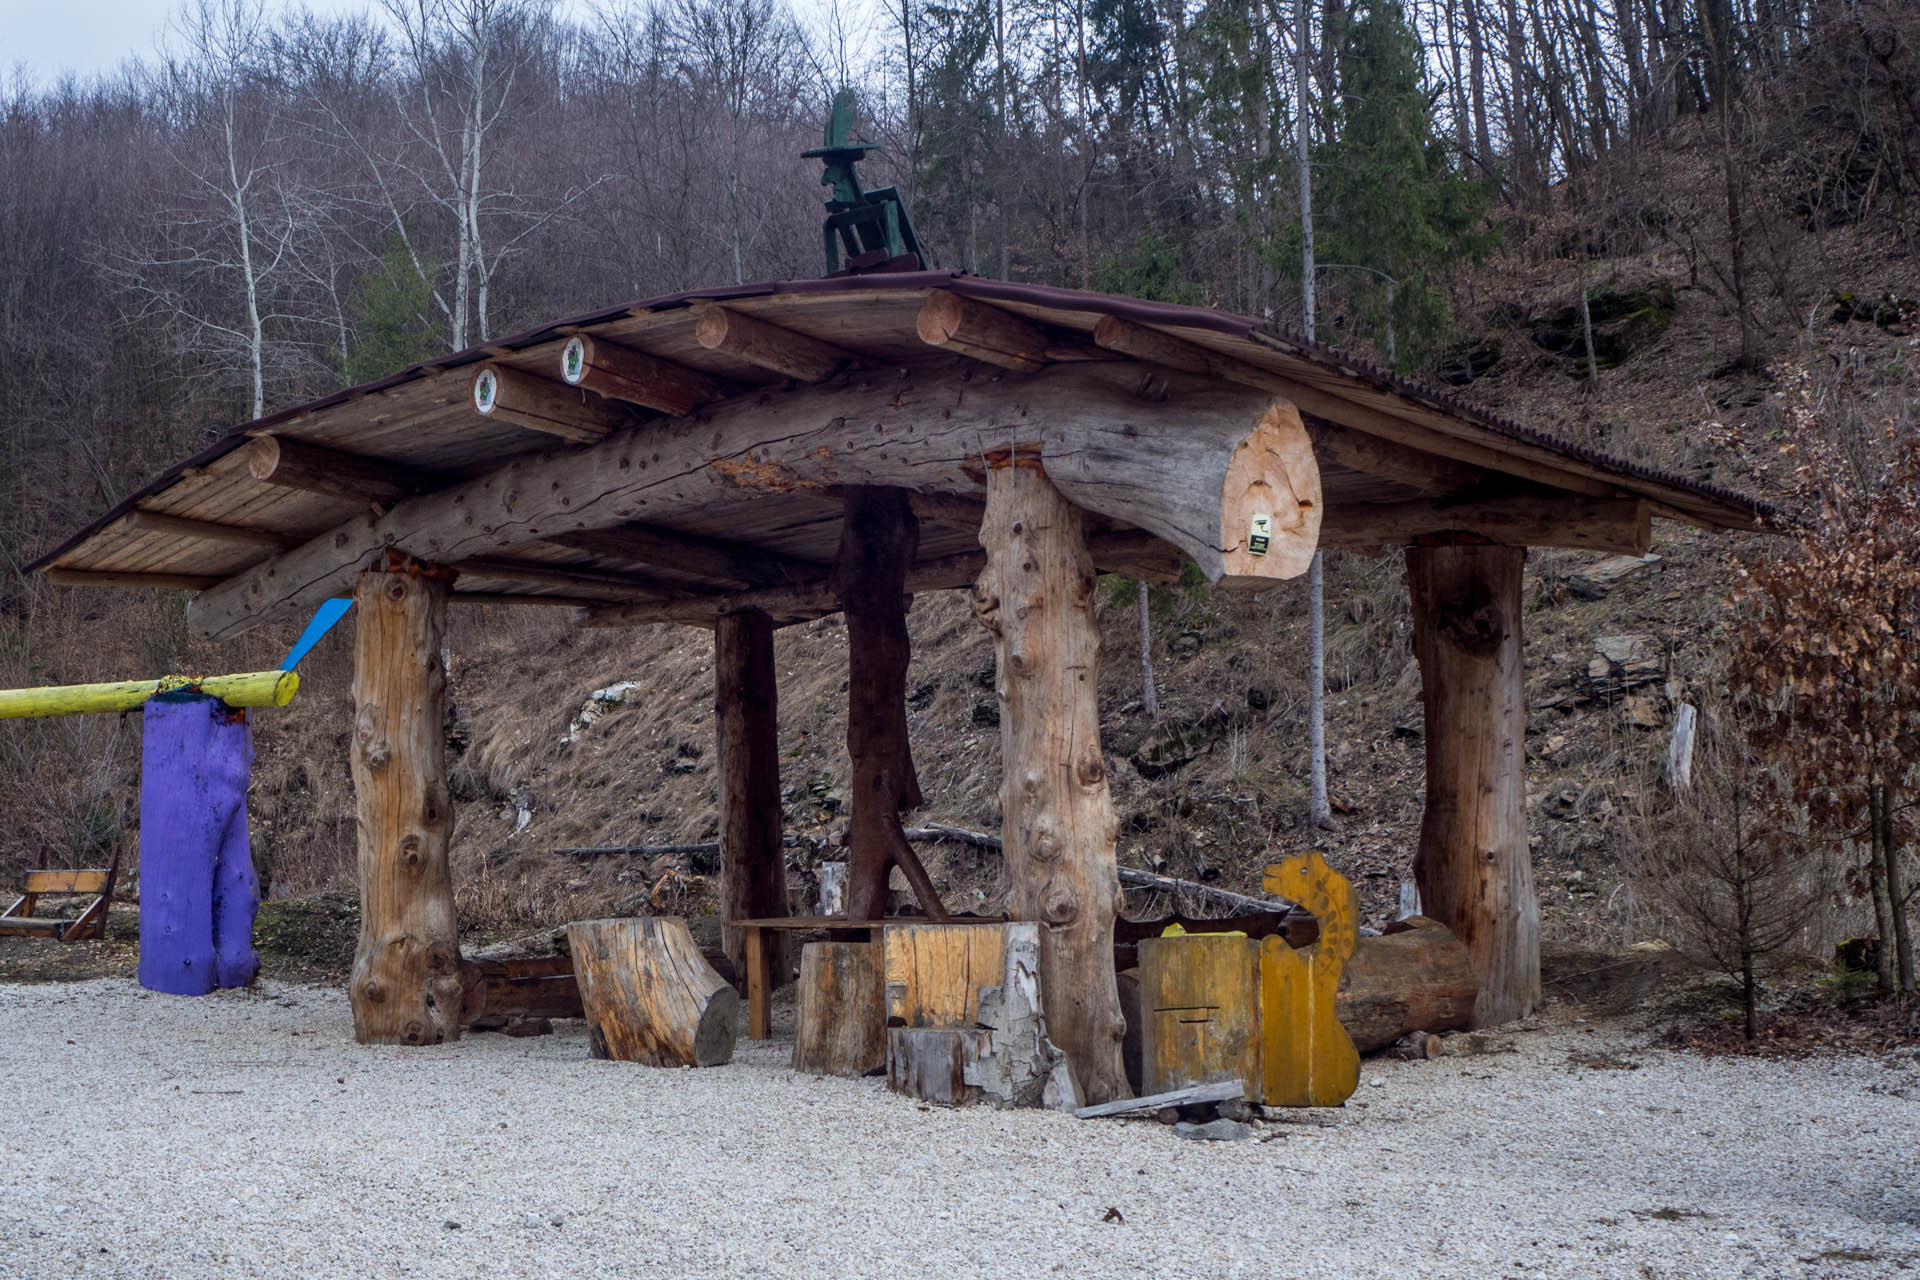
(650, 996)
(753, 869)
(1149, 695)
(1473, 867)
(1884, 969)
(840, 1023)
(879, 540)
(406, 986)
(1036, 598)
(1417, 979)
(1896, 894)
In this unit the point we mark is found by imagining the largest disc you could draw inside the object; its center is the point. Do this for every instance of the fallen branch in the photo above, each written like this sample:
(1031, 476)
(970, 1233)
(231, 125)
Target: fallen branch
(952, 835)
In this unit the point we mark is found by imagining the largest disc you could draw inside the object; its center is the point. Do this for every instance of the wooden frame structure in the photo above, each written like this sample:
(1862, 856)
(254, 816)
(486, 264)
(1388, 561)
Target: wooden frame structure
(748, 457)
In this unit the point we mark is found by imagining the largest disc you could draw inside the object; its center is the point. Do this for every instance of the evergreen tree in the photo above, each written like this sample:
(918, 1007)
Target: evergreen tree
(391, 321)
(1393, 209)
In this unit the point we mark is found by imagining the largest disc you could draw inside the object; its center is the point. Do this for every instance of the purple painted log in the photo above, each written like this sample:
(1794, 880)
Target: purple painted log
(198, 891)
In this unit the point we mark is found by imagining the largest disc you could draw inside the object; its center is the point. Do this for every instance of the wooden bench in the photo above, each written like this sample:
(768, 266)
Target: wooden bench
(19, 919)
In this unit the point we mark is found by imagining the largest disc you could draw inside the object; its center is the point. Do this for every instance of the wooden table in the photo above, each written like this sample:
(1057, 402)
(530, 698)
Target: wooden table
(760, 966)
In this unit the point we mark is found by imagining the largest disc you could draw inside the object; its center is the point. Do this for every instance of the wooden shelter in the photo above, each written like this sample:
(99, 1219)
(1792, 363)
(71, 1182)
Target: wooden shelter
(742, 458)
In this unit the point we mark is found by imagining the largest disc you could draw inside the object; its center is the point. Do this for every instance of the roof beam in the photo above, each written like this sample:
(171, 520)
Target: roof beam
(733, 564)
(1188, 475)
(553, 408)
(1623, 526)
(622, 373)
(103, 578)
(769, 346)
(1131, 552)
(1412, 439)
(505, 597)
(536, 574)
(141, 520)
(294, 464)
(981, 330)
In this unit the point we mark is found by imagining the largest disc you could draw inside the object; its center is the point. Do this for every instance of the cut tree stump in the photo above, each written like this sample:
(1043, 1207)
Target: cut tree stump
(840, 1026)
(932, 1063)
(650, 996)
(934, 972)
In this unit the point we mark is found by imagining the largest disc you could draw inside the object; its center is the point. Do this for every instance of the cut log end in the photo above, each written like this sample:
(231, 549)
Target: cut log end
(1270, 503)
(650, 996)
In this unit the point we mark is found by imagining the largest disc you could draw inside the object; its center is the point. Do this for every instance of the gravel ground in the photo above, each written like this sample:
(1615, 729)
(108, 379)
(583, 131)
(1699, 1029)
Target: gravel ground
(245, 1134)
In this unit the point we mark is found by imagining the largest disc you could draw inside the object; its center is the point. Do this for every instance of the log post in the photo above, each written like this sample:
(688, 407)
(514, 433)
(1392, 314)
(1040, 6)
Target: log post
(406, 985)
(753, 868)
(1036, 597)
(879, 540)
(1473, 866)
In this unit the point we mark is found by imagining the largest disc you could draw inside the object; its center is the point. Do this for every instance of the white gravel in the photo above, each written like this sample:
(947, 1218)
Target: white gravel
(245, 1134)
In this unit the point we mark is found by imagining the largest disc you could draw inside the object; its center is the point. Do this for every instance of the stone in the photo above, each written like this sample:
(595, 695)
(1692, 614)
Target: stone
(1598, 579)
(1643, 712)
(1625, 662)
(1222, 1130)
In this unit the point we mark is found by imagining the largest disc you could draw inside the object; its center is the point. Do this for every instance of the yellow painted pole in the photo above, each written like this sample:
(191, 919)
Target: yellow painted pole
(254, 689)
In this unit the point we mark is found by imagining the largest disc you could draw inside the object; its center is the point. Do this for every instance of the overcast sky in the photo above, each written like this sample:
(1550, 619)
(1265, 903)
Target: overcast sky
(51, 37)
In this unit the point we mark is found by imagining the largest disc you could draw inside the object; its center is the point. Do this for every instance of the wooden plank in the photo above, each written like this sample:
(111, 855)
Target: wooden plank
(67, 881)
(157, 581)
(550, 575)
(1197, 1095)
(1200, 1008)
(934, 972)
(1623, 526)
(734, 564)
(768, 345)
(516, 598)
(759, 984)
(207, 531)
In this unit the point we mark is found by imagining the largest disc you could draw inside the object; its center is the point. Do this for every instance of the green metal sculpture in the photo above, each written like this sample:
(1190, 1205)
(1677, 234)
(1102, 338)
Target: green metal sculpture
(871, 226)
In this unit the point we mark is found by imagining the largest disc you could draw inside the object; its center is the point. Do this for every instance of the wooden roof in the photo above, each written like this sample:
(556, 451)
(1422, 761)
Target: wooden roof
(1382, 443)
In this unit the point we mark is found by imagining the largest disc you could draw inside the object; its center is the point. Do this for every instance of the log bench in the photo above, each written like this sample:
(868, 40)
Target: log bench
(19, 918)
(759, 956)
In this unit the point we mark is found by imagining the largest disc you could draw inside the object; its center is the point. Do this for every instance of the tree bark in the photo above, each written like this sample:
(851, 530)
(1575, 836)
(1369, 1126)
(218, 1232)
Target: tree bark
(840, 1022)
(1473, 866)
(1036, 598)
(406, 986)
(1417, 979)
(746, 727)
(650, 996)
(879, 541)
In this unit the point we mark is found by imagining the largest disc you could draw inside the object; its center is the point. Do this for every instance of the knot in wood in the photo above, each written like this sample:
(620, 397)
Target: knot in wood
(396, 590)
(1062, 905)
(373, 990)
(1046, 847)
(379, 752)
(415, 1032)
(438, 961)
(410, 851)
(1091, 771)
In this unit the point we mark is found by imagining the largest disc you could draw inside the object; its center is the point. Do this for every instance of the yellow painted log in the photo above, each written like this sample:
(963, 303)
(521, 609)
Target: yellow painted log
(253, 689)
(1307, 1059)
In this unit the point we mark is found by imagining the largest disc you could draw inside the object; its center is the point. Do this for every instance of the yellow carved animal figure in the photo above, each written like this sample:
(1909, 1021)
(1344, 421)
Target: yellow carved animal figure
(1307, 1058)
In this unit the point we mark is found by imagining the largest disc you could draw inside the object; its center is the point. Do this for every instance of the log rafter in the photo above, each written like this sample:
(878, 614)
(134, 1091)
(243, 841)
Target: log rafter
(920, 429)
